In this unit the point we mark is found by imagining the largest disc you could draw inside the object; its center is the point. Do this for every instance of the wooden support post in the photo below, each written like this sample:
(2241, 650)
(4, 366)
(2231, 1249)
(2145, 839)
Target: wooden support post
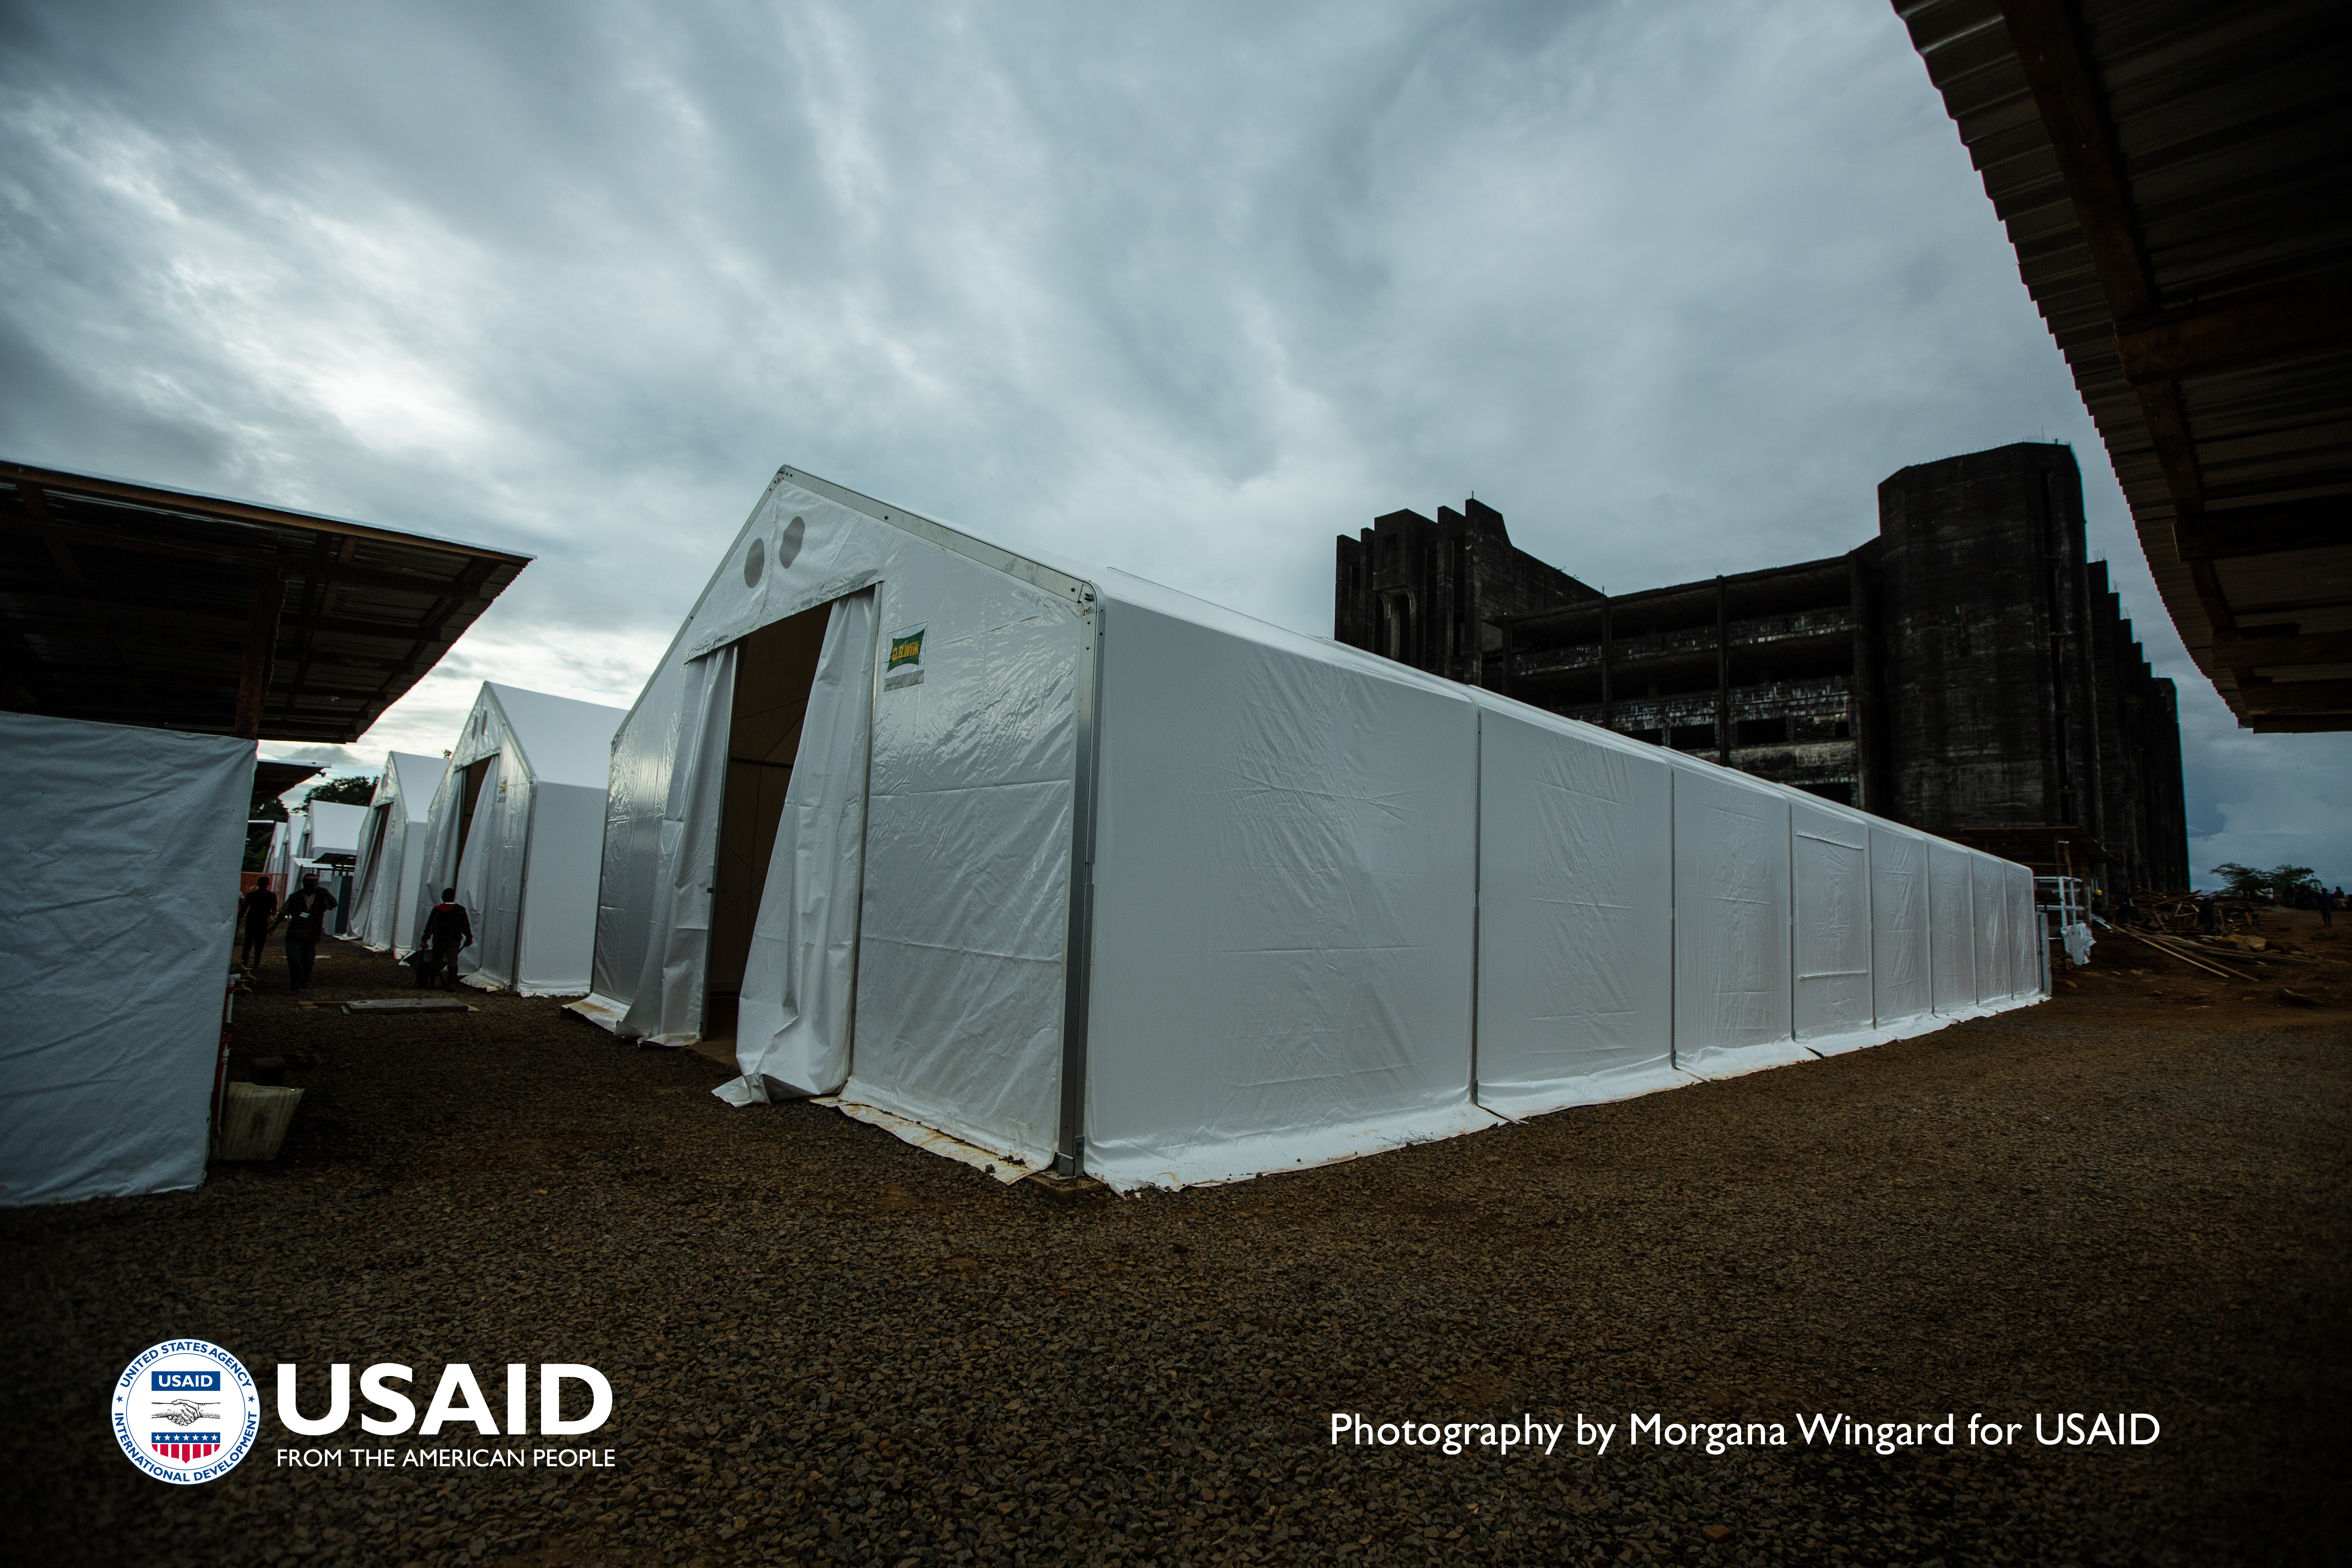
(260, 652)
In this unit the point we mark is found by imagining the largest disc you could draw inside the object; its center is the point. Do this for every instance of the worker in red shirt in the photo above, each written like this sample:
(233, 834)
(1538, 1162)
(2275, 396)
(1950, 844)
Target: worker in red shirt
(448, 932)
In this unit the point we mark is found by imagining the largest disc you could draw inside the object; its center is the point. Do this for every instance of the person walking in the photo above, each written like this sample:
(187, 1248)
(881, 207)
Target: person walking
(258, 910)
(305, 919)
(448, 932)
(2327, 907)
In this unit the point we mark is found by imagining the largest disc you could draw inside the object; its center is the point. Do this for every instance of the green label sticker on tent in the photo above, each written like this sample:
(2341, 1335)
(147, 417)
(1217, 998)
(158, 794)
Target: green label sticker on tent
(906, 665)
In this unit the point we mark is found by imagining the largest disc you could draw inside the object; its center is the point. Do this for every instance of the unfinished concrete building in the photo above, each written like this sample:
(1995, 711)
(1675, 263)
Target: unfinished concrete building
(1968, 672)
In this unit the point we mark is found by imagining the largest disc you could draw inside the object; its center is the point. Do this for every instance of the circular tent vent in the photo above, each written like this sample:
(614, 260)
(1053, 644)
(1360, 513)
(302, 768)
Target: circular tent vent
(755, 562)
(787, 543)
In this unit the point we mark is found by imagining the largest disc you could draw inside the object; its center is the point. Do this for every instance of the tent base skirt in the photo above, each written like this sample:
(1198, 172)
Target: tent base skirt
(1520, 1101)
(600, 1011)
(1005, 1168)
(1738, 1061)
(1127, 1170)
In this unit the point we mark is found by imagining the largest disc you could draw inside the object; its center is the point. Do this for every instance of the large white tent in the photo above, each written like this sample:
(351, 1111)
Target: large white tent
(514, 826)
(889, 778)
(121, 862)
(392, 852)
(326, 827)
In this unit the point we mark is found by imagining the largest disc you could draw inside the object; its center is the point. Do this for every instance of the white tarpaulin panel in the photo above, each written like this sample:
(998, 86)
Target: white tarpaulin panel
(665, 1005)
(120, 866)
(1732, 972)
(2025, 934)
(1951, 929)
(1285, 900)
(968, 844)
(1576, 918)
(799, 983)
(1830, 928)
(534, 766)
(1899, 965)
(1990, 897)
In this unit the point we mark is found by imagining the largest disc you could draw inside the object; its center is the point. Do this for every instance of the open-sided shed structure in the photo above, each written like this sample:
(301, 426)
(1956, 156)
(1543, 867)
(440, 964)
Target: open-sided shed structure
(514, 826)
(136, 604)
(1078, 869)
(2171, 174)
(392, 852)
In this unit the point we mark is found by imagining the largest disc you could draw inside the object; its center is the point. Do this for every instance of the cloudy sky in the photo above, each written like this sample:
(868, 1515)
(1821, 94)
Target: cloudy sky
(1187, 288)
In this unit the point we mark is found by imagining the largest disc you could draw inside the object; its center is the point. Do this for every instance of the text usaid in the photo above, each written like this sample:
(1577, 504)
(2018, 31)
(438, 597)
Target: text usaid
(458, 1399)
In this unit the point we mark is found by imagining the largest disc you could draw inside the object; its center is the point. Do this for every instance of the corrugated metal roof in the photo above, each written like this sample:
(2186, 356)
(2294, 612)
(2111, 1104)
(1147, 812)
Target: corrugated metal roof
(132, 605)
(2171, 174)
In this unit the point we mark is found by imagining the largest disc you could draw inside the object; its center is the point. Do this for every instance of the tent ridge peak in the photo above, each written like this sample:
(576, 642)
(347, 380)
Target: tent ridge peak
(1077, 590)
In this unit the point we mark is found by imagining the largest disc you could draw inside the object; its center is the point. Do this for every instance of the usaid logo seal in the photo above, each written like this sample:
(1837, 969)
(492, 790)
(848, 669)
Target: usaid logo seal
(187, 1411)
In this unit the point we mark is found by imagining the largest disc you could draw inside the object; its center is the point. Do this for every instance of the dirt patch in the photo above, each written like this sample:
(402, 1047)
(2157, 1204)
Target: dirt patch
(827, 1345)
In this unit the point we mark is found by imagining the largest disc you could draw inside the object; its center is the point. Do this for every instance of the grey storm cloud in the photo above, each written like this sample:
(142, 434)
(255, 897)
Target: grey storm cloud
(1186, 289)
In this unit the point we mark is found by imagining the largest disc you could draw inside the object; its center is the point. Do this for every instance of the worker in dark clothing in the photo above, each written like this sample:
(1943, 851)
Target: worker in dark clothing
(448, 932)
(305, 918)
(257, 910)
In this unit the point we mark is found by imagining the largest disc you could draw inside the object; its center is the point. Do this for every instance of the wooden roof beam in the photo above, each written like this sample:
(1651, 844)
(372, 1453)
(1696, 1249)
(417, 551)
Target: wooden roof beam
(2295, 698)
(2174, 343)
(2305, 523)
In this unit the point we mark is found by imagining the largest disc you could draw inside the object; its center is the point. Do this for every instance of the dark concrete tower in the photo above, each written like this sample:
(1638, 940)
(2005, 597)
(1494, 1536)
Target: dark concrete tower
(1430, 594)
(1989, 661)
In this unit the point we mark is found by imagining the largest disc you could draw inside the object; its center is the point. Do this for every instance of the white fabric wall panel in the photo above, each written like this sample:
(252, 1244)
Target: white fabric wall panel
(376, 876)
(478, 879)
(1576, 922)
(121, 864)
(635, 862)
(557, 935)
(678, 829)
(967, 862)
(1732, 970)
(1898, 925)
(1283, 900)
(1830, 928)
(404, 862)
(1990, 893)
(2028, 945)
(1951, 929)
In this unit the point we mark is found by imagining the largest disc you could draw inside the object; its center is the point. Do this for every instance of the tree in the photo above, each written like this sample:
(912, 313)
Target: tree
(355, 791)
(2280, 882)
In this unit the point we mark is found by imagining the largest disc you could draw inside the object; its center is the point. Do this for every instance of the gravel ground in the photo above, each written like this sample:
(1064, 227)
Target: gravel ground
(828, 1346)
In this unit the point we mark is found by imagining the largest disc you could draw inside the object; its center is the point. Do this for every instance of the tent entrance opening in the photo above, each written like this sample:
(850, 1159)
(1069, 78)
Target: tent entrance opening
(471, 792)
(775, 667)
(372, 853)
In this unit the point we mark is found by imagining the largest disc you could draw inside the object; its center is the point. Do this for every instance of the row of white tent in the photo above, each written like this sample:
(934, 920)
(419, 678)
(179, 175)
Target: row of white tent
(513, 819)
(1080, 871)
